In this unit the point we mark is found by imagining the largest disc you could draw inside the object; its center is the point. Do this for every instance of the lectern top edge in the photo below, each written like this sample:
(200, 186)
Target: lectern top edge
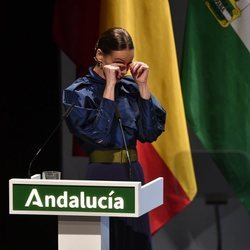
(75, 182)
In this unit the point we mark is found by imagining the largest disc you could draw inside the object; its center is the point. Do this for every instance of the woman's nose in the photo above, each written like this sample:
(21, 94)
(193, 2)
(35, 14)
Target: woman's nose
(124, 69)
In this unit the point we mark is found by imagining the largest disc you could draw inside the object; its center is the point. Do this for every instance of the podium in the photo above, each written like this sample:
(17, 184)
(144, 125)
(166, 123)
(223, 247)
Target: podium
(83, 207)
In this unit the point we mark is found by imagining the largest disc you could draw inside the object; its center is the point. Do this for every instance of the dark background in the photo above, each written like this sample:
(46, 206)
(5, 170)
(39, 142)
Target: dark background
(30, 107)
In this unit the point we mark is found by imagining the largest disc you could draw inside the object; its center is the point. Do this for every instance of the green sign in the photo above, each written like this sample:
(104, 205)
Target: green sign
(103, 199)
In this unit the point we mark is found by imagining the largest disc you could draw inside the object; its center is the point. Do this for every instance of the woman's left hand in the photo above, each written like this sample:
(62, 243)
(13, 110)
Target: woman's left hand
(139, 71)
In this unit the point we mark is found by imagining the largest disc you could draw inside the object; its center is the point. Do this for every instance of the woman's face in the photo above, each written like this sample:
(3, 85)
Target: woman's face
(120, 58)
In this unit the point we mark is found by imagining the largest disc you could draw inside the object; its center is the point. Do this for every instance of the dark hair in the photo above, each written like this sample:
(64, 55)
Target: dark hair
(114, 39)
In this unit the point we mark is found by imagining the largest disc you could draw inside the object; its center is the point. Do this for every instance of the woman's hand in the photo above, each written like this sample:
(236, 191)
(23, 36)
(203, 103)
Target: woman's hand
(112, 73)
(139, 71)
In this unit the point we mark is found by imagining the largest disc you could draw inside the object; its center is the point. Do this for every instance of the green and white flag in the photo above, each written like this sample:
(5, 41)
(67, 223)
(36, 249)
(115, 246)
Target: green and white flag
(216, 85)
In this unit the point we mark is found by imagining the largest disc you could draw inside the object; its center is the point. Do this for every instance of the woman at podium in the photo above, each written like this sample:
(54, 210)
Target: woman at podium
(113, 108)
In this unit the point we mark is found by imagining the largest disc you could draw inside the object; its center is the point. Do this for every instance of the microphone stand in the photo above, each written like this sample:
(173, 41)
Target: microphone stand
(65, 115)
(125, 143)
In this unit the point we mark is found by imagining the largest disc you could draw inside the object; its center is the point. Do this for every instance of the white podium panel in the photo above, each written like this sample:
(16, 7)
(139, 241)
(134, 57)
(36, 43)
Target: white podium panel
(83, 207)
(83, 232)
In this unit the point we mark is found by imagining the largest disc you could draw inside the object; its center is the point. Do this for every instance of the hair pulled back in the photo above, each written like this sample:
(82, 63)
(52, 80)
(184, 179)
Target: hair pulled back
(114, 39)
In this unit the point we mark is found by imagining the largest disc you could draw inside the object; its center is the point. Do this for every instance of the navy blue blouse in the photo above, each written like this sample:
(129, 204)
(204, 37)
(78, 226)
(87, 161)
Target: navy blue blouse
(93, 119)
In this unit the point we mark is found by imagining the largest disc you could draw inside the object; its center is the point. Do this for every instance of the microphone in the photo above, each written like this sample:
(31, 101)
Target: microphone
(118, 117)
(65, 115)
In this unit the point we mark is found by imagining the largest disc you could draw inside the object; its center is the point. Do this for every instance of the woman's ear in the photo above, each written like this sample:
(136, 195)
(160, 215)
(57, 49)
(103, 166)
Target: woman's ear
(99, 55)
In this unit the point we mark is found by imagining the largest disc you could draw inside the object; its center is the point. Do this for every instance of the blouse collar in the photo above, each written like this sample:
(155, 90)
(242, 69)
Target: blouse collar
(95, 76)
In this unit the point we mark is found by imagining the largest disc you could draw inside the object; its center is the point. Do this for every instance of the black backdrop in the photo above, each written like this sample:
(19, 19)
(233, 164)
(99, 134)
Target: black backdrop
(30, 108)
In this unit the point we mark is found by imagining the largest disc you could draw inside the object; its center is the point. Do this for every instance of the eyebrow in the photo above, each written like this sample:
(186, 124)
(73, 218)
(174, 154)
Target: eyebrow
(119, 59)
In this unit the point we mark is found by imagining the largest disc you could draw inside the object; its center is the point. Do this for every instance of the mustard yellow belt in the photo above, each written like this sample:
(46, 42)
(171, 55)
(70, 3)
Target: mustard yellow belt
(113, 156)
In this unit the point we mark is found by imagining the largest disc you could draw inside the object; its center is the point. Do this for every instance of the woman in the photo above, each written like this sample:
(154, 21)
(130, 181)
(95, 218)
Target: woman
(112, 111)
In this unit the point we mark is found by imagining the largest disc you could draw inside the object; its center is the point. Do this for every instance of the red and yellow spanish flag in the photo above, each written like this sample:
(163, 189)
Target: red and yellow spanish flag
(149, 23)
(75, 31)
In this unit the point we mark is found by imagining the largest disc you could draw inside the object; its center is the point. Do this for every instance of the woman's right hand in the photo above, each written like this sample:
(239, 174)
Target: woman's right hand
(112, 73)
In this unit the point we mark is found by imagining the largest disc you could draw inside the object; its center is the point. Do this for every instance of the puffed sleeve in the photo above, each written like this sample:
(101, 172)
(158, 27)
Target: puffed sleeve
(151, 122)
(89, 120)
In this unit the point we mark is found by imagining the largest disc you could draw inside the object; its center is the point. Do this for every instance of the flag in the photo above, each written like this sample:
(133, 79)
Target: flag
(215, 80)
(149, 24)
(75, 29)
